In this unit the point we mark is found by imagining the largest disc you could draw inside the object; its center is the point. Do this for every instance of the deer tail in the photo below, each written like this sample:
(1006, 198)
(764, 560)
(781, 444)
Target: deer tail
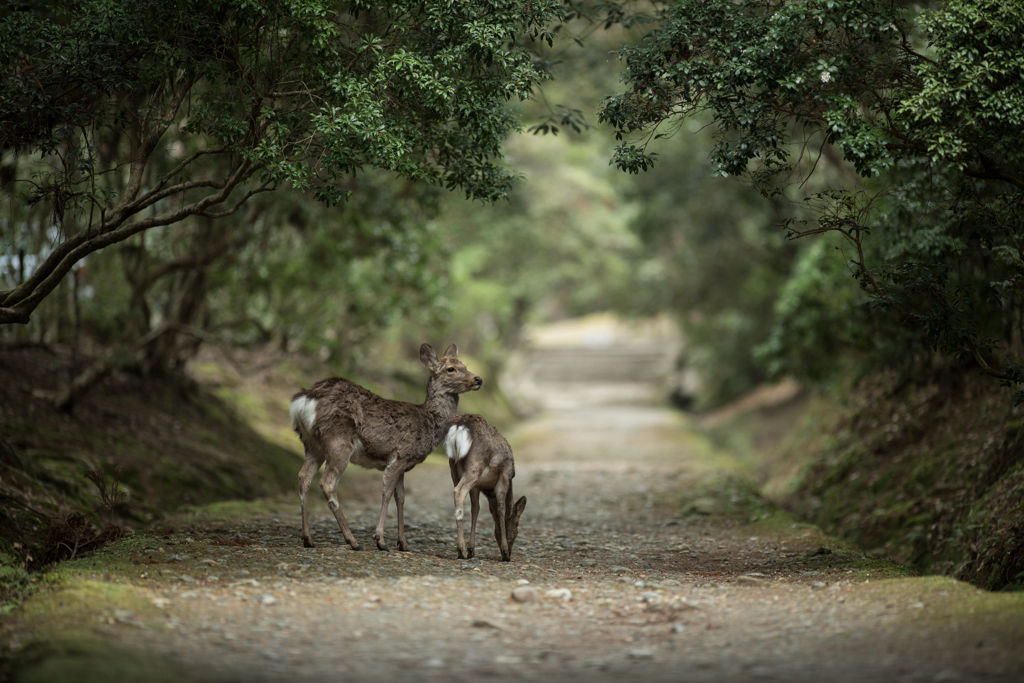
(303, 414)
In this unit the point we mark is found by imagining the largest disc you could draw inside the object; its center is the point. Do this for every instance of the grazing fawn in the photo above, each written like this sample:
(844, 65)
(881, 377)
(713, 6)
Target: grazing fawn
(341, 422)
(481, 460)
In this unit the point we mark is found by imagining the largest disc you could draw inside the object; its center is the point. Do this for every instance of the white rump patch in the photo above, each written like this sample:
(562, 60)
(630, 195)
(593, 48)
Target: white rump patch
(457, 443)
(303, 412)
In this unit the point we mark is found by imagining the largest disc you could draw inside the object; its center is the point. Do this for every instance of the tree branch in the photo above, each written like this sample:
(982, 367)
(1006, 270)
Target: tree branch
(16, 305)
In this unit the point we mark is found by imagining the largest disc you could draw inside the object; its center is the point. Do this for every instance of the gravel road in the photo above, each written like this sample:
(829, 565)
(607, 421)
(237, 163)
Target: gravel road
(637, 560)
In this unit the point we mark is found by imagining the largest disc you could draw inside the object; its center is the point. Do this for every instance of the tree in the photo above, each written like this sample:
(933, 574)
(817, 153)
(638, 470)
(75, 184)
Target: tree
(917, 116)
(116, 118)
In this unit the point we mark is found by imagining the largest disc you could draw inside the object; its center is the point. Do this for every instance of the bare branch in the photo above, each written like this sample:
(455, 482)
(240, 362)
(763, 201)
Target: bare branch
(266, 187)
(185, 162)
(17, 304)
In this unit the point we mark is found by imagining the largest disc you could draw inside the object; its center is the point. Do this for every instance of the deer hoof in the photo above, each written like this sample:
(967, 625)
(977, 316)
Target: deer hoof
(469, 553)
(355, 546)
(462, 554)
(403, 546)
(381, 546)
(307, 542)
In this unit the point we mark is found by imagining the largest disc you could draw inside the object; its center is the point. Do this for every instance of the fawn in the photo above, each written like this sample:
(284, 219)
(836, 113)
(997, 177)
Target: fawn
(481, 460)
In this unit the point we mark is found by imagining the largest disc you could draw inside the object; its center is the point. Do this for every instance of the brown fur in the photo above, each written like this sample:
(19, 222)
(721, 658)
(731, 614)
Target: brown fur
(353, 424)
(488, 467)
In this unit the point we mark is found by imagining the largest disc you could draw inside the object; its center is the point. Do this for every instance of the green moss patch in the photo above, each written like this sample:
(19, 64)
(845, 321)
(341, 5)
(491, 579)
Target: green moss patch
(929, 474)
(89, 660)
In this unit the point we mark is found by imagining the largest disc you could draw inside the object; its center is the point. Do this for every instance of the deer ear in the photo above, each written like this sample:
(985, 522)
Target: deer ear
(428, 357)
(520, 506)
(452, 351)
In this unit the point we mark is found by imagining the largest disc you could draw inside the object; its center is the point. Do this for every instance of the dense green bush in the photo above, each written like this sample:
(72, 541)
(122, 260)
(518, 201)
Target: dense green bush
(893, 128)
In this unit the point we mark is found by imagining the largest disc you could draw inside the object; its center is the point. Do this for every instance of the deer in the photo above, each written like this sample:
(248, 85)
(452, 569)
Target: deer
(340, 422)
(480, 459)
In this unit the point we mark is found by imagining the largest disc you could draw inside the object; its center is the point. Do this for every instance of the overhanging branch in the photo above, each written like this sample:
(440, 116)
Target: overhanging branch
(17, 305)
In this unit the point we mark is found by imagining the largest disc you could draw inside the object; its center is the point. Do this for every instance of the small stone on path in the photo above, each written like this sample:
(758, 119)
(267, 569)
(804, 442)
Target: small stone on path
(559, 594)
(489, 623)
(524, 594)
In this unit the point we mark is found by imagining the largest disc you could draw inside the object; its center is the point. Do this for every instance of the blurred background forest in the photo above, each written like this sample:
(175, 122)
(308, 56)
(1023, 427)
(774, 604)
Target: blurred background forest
(883, 319)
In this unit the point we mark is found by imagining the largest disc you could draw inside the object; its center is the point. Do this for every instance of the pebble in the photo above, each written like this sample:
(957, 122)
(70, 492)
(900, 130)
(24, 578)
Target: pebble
(489, 623)
(749, 580)
(559, 594)
(588, 563)
(617, 569)
(268, 599)
(434, 663)
(641, 653)
(524, 594)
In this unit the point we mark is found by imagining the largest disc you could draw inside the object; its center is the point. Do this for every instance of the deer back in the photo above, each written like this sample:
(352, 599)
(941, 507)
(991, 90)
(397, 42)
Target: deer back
(383, 426)
(473, 437)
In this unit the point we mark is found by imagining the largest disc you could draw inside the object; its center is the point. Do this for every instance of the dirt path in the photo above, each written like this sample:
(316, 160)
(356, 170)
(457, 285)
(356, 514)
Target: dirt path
(646, 562)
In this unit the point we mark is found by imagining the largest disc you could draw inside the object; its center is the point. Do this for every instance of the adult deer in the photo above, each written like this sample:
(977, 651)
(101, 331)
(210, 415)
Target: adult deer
(481, 460)
(341, 422)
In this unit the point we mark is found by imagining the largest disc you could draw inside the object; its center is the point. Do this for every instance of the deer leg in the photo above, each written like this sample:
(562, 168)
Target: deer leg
(461, 489)
(306, 474)
(497, 503)
(403, 544)
(456, 477)
(474, 506)
(336, 465)
(391, 476)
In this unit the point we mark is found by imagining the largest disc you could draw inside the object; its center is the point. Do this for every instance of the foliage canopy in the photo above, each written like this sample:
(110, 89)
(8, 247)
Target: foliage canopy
(120, 117)
(926, 108)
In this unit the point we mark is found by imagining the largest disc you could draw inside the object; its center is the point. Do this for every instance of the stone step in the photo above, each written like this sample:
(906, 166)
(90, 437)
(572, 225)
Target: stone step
(604, 364)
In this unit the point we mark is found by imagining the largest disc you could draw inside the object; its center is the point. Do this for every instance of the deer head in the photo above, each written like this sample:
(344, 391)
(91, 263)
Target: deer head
(447, 372)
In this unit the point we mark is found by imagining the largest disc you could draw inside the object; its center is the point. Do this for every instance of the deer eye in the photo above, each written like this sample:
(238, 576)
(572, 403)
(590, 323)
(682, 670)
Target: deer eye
(451, 369)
